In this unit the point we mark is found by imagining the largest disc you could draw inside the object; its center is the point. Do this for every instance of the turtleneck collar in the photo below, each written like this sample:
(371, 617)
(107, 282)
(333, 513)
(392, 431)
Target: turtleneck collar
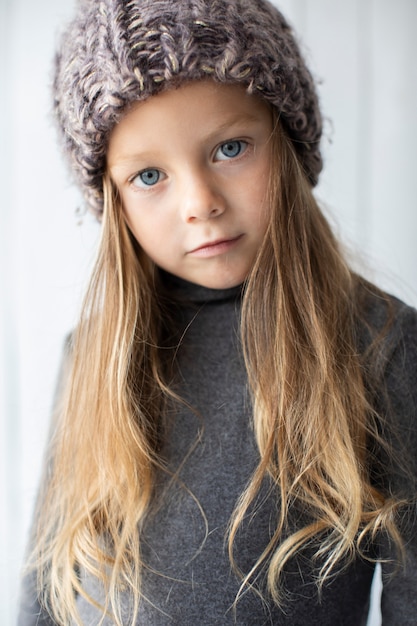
(184, 291)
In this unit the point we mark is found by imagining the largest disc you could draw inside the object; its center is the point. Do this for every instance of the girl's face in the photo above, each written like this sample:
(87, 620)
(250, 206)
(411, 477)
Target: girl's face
(192, 166)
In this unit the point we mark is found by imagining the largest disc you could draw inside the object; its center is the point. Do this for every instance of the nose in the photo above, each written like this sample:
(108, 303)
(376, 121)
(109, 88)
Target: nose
(201, 199)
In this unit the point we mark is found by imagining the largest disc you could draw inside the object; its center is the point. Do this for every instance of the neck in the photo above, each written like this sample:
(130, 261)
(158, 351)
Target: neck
(182, 290)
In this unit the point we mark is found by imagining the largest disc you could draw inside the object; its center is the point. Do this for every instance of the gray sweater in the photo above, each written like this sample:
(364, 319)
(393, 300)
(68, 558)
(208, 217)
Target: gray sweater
(188, 579)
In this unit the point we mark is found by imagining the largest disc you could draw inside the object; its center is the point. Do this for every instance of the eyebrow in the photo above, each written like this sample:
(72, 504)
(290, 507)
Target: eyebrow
(241, 118)
(233, 121)
(124, 160)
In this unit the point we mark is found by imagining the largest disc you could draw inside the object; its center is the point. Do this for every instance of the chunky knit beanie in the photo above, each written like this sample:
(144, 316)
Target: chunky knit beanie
(116, 52)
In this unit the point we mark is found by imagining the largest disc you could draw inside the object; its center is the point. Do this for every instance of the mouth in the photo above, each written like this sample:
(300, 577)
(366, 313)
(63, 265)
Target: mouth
(213, 248)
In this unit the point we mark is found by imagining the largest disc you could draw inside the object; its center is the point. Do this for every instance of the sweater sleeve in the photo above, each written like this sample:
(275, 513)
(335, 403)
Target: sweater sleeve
(399, 594)
(30, 611)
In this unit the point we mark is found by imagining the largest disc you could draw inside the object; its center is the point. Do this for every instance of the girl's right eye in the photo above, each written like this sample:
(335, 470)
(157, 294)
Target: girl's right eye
(147, 178)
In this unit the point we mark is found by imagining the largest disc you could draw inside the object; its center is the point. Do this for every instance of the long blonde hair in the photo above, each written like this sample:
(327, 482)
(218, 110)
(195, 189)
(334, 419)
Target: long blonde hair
(299, 315)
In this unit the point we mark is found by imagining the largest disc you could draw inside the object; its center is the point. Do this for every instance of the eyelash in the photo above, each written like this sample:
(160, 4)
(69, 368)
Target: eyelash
(143, 173)
(240, 144)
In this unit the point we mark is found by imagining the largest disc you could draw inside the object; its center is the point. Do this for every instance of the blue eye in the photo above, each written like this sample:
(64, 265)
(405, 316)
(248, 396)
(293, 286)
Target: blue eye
(147, 178)
(230, 149)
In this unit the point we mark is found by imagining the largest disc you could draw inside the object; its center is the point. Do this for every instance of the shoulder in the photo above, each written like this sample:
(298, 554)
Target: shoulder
(388, 340)
(386, 321)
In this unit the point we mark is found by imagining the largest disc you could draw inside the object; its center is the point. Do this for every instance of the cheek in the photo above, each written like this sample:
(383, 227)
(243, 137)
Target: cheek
(151, 233)
(144, 234)
(140, 222)
(257, 181)
(257, 205)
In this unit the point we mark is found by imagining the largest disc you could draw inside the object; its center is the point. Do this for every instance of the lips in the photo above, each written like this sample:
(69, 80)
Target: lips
(217, 246)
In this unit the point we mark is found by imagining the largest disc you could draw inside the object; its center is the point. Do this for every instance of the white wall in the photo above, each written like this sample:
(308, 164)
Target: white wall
(363, 52)
(44, 255)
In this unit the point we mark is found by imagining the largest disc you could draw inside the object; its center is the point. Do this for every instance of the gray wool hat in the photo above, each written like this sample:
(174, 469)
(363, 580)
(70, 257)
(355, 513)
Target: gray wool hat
(116, 52)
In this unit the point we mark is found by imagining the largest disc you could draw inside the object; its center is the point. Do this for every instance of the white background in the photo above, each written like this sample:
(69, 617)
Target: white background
(362, 51)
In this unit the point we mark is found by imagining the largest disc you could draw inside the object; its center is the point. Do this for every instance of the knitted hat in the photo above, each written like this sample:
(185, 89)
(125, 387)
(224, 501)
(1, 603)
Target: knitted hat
(116, 52)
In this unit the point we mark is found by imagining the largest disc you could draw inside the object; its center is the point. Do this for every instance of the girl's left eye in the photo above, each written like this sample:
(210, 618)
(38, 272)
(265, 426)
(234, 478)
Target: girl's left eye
(147, 178)
(230, 149)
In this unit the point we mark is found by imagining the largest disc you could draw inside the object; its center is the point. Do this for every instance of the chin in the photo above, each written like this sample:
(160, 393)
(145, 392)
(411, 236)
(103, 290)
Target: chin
(226, 282)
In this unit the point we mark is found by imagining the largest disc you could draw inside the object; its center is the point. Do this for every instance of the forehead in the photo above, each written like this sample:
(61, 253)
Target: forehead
(203, 108)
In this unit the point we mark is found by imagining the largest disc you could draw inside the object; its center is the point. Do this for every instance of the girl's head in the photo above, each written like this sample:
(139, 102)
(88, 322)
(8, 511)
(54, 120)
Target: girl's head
(116, 53)
(191, 167)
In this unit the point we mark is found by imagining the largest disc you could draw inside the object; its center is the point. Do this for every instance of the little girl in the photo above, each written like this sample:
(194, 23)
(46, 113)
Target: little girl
(235, 441)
